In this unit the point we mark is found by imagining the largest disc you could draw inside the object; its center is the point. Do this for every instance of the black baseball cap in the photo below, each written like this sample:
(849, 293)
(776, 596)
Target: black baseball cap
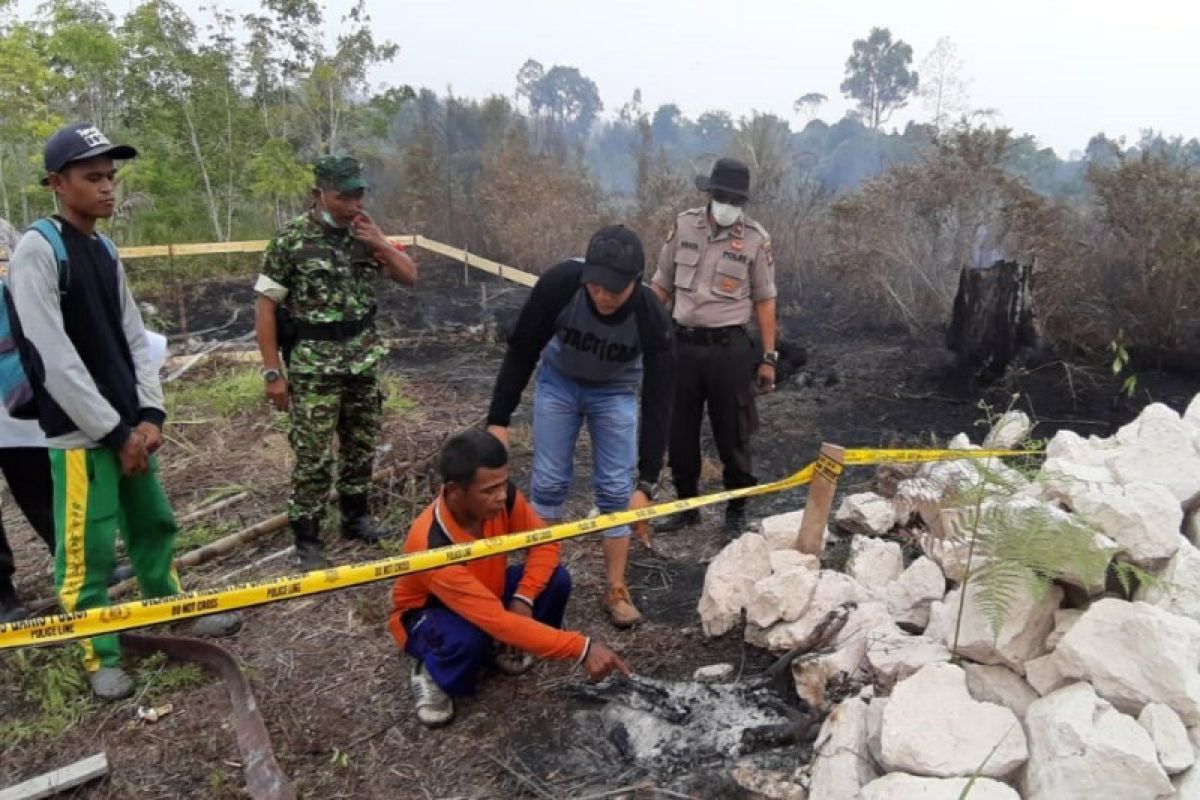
(728, 175)
(79, 141)
(614, 258)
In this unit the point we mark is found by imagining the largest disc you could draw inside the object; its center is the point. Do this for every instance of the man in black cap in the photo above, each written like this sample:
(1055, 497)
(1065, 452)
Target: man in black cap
(716, 272)
(98, 396)
(322, 269)
(596, 330)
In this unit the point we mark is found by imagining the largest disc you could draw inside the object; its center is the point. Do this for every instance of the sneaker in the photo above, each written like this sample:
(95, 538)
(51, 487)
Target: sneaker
(512, 662)
(435, 708)
(677, 521)
(111, 683)
(621, 610)
(215, 626)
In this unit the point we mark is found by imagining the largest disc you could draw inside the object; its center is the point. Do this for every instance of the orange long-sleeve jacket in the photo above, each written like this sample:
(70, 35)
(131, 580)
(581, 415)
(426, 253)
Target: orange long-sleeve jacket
(474, 590)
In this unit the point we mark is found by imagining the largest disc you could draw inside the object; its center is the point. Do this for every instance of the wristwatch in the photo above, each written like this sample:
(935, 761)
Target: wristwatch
(271, 375)
(647, 488)
(771, 357)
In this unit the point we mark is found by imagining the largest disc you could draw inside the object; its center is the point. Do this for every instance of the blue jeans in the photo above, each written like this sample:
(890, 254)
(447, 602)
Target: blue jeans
(560, 406)
(454, 651)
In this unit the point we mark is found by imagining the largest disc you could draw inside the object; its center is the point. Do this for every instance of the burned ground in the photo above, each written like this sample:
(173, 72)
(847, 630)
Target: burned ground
(332, 687)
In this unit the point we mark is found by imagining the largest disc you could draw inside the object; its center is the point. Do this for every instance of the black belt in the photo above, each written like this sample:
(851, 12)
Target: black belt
(333, 331)
(707, 336)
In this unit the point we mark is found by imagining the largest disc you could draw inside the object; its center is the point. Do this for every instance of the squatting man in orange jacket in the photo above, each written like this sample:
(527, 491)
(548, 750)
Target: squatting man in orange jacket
(457, 620)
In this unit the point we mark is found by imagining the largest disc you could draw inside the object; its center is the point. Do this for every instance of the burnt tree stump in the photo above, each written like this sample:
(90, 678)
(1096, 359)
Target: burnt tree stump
(993, 319)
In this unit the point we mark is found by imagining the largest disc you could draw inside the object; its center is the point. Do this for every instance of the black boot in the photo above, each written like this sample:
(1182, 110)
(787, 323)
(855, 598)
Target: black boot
(735, 521)
(11, 609)
(356, 522)
(677, 521)
(310, 550)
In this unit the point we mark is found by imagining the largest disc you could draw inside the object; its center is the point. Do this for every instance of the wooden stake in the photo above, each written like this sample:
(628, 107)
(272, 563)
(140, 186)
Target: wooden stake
(830, 464)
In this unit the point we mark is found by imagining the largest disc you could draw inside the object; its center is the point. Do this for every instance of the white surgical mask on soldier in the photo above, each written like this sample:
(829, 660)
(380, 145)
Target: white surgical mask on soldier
(725, 214)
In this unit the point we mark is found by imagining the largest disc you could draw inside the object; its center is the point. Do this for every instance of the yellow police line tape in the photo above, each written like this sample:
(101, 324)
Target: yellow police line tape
(140, 613)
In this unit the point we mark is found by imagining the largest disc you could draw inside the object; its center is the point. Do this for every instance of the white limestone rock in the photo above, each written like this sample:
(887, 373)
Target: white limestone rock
(875, 730)
(865, 513)
(948, 550)
(1010, 430)
(1021, 638)
(1082, 747)
(766, 784)
(1142, 518)
(1178, 587)
(784, 560)
(729, 583)
(1000, 685)
(839, 767)
(1064, 619)
(1170, 738)
(781, 596)
(874, 563)
(1045, 674)
(714, 673)
(909, 597)
(895, 655)
(833, 589)
(1135, 654)
(918, 500)
(899, 786)
(848, 653)
(1071, 459)
(1151, 452)
(781, 530)
(933, 727)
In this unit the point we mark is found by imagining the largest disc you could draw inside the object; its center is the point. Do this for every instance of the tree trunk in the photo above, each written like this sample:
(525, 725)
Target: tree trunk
(993, 318)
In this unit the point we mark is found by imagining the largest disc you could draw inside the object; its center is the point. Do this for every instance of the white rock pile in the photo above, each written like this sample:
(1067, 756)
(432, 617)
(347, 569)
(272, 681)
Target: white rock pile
(1078, 693)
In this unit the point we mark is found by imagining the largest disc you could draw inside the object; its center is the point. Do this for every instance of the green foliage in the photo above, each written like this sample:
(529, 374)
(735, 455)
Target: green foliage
(1120, 364)
(878, 76)
(202, 533)
(1026, 548)
(157, 678)
(394, 399)
(52, 685)
(228, 391)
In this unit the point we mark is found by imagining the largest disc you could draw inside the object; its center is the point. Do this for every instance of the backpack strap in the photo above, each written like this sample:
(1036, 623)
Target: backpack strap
(108, 245)
(50, 232)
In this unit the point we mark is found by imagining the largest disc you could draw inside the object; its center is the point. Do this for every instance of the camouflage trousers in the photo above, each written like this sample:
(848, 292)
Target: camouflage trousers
(322, 406)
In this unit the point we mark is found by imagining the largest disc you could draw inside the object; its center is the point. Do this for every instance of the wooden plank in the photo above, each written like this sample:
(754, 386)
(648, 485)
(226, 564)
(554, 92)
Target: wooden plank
(478, 262)
(811, 538)
(59, 780)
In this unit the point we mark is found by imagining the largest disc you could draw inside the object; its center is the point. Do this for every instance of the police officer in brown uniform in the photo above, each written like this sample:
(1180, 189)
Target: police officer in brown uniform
(717, 272)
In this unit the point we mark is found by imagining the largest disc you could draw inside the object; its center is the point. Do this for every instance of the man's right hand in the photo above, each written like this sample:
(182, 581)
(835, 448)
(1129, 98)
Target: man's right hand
(277, 393)
(500, 432)
(135, 458)
(601, 661)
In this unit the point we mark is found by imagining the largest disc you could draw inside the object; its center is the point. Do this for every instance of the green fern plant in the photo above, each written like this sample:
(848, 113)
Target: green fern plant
(1021, 547)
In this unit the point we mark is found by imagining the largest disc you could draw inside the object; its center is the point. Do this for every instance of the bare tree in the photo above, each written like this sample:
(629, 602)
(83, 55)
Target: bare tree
(943, 87)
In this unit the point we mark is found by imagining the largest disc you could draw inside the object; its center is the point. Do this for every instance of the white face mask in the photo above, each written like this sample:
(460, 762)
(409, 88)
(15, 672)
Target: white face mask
(327, 218)
(724, 214)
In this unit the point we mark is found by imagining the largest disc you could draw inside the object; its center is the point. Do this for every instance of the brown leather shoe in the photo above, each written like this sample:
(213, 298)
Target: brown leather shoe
(621, 610)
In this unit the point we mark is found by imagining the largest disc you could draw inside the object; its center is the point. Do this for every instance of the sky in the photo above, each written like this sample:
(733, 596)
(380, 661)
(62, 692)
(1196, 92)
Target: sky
(1062, 70)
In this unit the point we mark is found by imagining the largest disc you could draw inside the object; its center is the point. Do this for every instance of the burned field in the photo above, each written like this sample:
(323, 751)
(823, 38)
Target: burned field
(328, 680)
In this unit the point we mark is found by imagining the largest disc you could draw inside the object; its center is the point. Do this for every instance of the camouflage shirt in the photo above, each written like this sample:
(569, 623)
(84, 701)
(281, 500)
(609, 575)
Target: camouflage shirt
(329, 277)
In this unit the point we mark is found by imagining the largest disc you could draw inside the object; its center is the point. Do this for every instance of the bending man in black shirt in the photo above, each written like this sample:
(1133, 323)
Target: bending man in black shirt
(596, 329)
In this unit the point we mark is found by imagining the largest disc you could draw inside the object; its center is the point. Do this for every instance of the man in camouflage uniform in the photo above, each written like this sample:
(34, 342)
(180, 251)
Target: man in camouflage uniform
(320, 270)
